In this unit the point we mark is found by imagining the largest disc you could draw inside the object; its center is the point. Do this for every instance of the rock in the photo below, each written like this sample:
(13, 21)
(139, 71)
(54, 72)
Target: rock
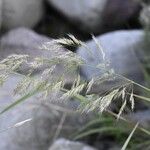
(121, 49)
(140, 116)
(115, 148)
(93, 16)
(85, 13)
(119, 12)
(25, 136)
(32, 135)
(16, 13)
(38, 133)
(63, 144)
(26, 42)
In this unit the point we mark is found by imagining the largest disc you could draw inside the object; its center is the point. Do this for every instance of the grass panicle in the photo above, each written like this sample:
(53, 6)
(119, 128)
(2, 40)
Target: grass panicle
(48, 82)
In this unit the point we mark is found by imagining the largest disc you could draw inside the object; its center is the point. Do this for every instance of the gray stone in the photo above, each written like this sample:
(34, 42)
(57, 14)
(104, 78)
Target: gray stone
(16, 13)
(121, 49)
(46, 115)
(26, 41)
(140, 116)
(93, 16)
(63, 144)
(33, 135)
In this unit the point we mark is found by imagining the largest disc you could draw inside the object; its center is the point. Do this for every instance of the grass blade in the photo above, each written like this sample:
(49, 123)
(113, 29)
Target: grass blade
(25, 97)
(129, 138)
(98, 130)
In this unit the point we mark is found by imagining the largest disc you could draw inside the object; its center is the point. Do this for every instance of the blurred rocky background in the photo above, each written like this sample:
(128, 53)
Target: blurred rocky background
(121, 26)
(56, 18)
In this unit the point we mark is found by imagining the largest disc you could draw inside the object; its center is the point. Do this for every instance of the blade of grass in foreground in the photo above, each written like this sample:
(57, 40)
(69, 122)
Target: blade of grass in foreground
(25, 97)
(129, 138)
(93, 122)
(98, 130)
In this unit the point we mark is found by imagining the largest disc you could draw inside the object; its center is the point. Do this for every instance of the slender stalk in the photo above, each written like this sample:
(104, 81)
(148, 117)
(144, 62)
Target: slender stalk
(129, 137)
(127, 121)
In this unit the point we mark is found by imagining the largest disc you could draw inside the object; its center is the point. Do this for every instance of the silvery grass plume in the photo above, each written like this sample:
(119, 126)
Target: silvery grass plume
(49, 82)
